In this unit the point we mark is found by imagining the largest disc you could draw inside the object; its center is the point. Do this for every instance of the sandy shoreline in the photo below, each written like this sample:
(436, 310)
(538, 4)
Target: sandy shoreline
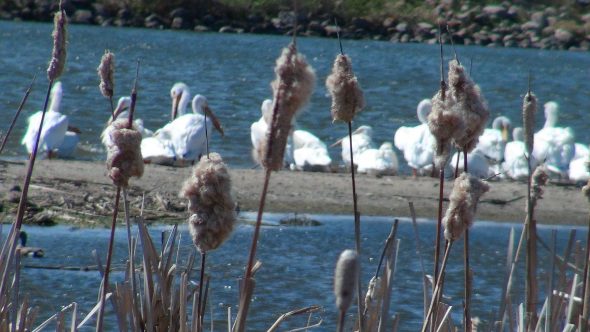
(79, 192)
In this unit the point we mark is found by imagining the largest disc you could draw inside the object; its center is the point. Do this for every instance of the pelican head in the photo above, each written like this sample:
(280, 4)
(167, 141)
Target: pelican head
(56, 95)
(180, 95)
(518, 134)
(122, 106)
(266, 109)
(551, 114)
(423, 109)
(502, 124)
(364, 129)
(200, 105)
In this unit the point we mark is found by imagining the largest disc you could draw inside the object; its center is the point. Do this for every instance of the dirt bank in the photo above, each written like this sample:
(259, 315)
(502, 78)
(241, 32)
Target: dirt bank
(79, 192)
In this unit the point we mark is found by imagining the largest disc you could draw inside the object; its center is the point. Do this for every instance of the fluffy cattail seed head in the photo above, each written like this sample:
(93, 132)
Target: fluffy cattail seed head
(529, 108)
(211, 204)
(464, 197)
(124, 158)
(444, 123)
(105, 71)
(470, 105)
(58, 54)
(347, 96)
(292, 87)
(345, 278)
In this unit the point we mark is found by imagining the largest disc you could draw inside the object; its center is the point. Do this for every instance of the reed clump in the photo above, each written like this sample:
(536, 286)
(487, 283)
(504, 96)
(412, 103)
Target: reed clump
(211, 203)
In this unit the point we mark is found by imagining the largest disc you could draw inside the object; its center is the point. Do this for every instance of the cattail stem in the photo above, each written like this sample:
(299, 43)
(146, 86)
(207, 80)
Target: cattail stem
(133, 97)
(357, 229)
(341, 320)
(531, 257)
(206, 136)
(240, 324)
(131, 258)
(112, 108)
(467, 269)
(441, 182)
(583, 322)
(200, 310)
(105, 279)
(437, 286)
(20, 107)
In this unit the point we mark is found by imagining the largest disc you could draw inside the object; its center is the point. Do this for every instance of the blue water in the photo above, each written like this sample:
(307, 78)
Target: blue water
(234, 72)
(297, 267)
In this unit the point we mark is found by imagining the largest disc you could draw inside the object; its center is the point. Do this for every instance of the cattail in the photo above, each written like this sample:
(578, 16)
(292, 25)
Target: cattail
(466, 192)
(539, 180)
(345, 278)
(470, 104)
(347, 96)
(124, 158)
(211, 204)
(60, 37)
(444, 123)
(105, 71)
(529, 108)
(292, 87)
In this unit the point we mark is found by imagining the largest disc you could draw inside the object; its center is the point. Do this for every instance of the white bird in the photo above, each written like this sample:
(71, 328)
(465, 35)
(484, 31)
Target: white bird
(309, 152)
(554, 145)
(477, 163)
(382, 161)
(515, 164)
(361, 141)
(258, 132)
(181, 95)
(122, 112)
(417, 143)
(580, 164)
(69, 144)
(186, 134)
(492, 142)
(55, 126)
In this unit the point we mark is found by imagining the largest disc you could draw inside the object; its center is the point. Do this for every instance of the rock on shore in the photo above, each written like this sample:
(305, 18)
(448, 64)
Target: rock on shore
(508, 24)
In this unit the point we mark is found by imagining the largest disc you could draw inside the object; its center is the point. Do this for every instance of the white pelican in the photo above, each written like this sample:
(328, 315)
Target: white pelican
(417, 143)
(55, 126)
(181, 95)
(258, 131)
(492, 142)
(122, 112)
(186, 134)
(515, 164)
(382, 161)
(477, 163)
(309, 152)
(579, 166)
(70, 143)
(361, 141)
(554, 145)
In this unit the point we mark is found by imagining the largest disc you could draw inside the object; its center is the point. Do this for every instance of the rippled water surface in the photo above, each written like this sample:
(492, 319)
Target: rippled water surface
(234, 72)
(297, 267)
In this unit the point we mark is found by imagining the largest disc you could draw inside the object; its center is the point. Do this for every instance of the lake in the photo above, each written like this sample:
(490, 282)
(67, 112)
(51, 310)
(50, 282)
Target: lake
(234, 72)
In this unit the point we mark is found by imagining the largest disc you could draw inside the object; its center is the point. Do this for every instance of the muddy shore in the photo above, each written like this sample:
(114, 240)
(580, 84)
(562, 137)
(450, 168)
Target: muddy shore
(78, 192)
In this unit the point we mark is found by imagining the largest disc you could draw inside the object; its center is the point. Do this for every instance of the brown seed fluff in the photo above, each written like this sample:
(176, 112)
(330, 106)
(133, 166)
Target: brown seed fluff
(59, 52)
(347, 96)
(292, 87)
(211, 204)
(124, 154)
(470, 104)
(464, 197)
(444, 123)
(539, 180)
(105, 71)
(345, 278)
(529, 108)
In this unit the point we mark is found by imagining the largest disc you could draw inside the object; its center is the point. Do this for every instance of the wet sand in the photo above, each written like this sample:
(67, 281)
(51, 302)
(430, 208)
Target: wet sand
(79, 192)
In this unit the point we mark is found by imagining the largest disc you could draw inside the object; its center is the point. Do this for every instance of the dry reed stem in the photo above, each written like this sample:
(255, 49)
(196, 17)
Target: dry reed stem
(20, 107)
(437, 286)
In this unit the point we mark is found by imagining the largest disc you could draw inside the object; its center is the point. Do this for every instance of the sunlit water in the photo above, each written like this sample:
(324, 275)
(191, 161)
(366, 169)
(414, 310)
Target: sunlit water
(234, 72)
(297, 268)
